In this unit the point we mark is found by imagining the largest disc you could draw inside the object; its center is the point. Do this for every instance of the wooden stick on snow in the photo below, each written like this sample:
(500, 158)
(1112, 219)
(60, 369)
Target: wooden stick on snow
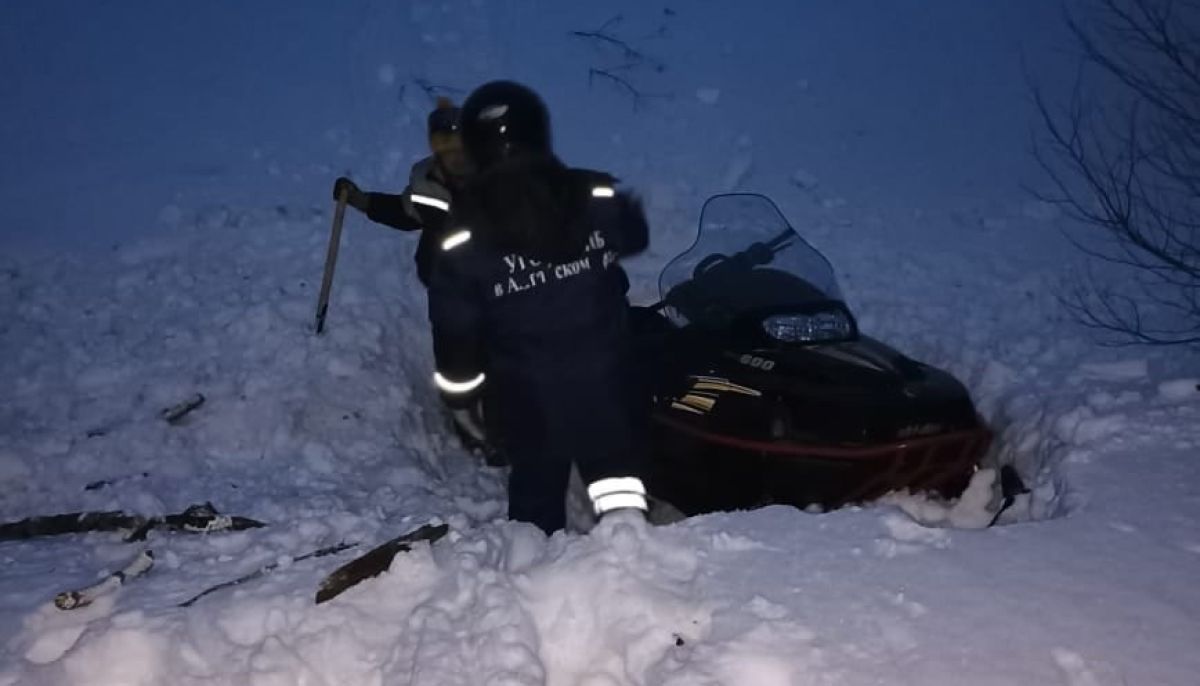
(71, 600)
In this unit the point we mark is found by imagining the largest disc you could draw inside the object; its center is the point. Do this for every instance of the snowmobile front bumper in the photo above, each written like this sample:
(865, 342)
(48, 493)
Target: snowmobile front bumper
(710, 471)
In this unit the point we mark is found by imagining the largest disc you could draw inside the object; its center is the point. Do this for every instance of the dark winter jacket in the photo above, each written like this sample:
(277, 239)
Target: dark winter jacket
(528, 285)
(528, 307)
(423, 206)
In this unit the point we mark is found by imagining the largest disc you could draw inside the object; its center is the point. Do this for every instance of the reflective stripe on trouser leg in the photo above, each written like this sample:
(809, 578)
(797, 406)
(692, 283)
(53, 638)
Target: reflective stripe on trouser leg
(615, 493)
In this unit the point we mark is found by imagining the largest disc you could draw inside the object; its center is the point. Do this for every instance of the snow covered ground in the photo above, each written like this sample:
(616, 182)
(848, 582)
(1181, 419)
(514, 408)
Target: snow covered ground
(894, 135)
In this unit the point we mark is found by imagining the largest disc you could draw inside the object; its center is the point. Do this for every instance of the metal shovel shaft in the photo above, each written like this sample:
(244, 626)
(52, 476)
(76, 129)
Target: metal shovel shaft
(331, 255)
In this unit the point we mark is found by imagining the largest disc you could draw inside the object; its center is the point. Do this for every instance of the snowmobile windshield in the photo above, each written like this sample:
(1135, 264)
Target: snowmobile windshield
(746, 258)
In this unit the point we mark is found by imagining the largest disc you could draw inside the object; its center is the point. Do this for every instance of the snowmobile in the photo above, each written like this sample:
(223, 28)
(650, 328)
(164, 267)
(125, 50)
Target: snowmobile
(765, 391)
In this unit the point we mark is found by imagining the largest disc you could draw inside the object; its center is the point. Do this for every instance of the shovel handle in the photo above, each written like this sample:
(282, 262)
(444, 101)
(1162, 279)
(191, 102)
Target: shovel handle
(331, 255)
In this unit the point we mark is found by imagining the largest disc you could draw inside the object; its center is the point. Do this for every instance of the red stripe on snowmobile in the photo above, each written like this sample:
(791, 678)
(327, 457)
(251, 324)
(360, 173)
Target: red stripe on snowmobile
(971, 440)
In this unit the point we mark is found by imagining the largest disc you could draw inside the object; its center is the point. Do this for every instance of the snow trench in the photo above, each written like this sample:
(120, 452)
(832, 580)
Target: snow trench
(339, 438)
(991, 328)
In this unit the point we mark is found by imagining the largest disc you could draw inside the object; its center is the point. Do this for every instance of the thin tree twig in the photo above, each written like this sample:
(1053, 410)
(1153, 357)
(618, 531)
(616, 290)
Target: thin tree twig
(1129, 169)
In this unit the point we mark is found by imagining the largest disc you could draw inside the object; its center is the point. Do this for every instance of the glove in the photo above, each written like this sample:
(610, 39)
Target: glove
(354, 195)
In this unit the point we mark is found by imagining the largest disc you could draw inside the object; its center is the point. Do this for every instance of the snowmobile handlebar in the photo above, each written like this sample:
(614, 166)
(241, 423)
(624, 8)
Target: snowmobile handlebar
(717, 264)
(755, 255)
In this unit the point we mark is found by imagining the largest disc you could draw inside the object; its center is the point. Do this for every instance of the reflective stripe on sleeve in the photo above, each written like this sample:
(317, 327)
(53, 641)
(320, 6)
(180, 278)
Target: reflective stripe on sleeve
(429, 201)
(456, 387)
(456, 239)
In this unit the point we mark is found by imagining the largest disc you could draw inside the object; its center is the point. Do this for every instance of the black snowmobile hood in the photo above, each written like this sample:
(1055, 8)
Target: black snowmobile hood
(857, 366)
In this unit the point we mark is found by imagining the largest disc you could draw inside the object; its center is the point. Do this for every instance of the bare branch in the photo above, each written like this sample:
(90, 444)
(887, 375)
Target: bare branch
(623, 84)
(1128, 169)
(435, 90)
(633, 61)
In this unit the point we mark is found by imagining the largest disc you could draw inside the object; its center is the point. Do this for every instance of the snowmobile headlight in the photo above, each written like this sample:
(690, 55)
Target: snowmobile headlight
(808, 328)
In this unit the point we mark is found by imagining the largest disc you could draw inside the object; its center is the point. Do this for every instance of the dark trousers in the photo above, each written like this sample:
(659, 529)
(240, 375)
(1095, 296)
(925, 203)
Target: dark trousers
(537, 488)
(593, 421)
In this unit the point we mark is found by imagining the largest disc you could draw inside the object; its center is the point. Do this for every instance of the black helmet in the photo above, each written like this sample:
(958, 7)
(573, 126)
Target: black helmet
(503, 118)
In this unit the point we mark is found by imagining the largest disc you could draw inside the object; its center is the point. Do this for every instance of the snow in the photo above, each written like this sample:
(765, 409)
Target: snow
(708, 96)
(974, 509)
(1180, 390)
(1115, 371)
(164, 220)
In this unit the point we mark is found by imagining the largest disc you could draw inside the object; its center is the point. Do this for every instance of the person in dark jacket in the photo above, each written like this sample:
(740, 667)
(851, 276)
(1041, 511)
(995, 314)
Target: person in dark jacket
(528, 304)
(424, 204)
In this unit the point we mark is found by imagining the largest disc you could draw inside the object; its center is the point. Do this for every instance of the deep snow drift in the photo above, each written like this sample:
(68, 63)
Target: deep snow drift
(901, 162)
